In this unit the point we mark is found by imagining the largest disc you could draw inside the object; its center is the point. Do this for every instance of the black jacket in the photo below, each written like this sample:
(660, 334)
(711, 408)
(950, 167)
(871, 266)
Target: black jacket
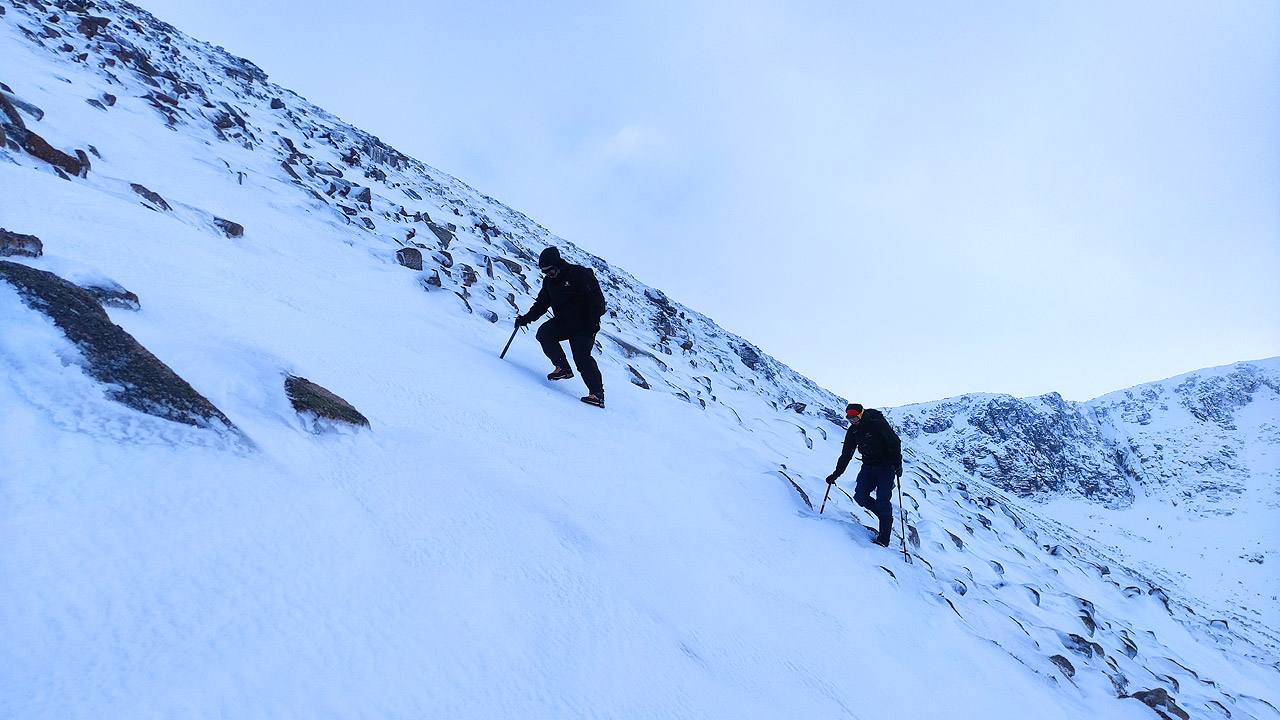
(574, 295)
(880, 445)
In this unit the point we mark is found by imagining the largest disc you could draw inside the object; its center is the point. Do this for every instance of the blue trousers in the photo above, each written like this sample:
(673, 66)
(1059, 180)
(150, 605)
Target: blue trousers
(880, 479)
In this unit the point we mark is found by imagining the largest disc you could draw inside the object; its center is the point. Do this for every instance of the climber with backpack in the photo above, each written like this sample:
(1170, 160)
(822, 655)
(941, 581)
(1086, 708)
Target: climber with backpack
(574, 294)
(881, 448)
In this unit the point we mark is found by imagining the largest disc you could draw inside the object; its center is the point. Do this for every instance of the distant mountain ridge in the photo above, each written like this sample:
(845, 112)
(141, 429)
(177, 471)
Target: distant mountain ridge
(1183, 439)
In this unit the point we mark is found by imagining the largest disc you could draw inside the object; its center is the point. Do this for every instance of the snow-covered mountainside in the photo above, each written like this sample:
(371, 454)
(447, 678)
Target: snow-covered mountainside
(1186, 439)
(1180, 477)
(200, 269)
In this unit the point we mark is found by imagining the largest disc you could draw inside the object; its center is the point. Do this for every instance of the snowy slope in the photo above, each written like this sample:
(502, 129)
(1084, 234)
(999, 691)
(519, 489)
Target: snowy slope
(489, 547)
(1179, 477)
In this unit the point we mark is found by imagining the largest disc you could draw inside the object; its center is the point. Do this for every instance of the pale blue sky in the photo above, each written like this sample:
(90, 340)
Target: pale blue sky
(904, 201)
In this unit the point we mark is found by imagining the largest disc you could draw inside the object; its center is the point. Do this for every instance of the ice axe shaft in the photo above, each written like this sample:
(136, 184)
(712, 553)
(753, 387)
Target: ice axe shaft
(903, 509)
(824, 498)
(508, 346)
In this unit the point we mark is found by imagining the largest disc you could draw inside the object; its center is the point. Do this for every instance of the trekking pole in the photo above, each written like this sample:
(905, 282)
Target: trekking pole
(903, 509)
(513, 337)
(824, 498)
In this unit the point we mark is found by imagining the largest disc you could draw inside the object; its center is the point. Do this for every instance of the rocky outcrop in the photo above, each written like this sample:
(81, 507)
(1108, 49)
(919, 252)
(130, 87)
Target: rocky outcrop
(14, 244)
(153, 199)
(410, 258)
(231, 229)
(131, 374)
(309, 398)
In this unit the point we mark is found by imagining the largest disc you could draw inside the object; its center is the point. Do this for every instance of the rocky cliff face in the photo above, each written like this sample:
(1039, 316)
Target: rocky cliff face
(1185, 439)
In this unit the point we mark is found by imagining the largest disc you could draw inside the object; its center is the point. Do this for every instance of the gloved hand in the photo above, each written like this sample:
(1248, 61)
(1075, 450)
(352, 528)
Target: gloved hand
(521, 321)
(831, 479)
(897, 472)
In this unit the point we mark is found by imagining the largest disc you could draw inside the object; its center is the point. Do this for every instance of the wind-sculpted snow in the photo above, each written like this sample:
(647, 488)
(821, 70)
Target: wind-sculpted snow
(484, 545)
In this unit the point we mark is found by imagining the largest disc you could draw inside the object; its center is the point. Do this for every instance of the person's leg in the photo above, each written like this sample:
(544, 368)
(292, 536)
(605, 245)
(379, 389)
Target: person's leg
(884, 503)
(582, 344)
(549, 336)
(862, 490)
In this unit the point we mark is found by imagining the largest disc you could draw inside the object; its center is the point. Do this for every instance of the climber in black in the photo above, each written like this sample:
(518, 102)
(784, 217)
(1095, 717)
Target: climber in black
(573, 293)
(881, 448)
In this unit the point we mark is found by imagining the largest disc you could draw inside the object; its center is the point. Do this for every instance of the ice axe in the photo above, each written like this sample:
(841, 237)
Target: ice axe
(508, 346)
(903, 509)
(824, 498)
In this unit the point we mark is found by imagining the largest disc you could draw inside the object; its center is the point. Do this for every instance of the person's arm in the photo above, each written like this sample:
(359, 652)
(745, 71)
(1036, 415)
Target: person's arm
(850, 445)
(540, 305)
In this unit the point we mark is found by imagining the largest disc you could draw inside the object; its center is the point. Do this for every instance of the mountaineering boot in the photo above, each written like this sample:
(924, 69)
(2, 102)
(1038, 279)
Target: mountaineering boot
(560, 374)
(594, 399)
(881, 540)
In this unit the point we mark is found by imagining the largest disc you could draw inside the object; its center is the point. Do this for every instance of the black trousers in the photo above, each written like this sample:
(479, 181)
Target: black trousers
(880, 479)
(581, 341)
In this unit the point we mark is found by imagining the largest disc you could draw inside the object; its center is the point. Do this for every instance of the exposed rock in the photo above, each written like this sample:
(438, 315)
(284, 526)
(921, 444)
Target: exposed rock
(1159, 698)
(410, 258)
(133, 376)
(1065, 665)
(277, 104)
(83, 157)
(12, 244)
(157, 202)
(637, 379)
(469, 276)
(38, 148)
(443, 234)
(309, 398)
(163, 98)
(796, 406)
(1076, 644)
(91, 26)
(232, 230)
(16, 103)
(10, 112)
(110, 294)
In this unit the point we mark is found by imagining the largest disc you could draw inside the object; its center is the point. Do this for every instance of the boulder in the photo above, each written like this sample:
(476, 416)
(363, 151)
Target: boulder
(157, 202)
(91, 26)
(277, 104)
(1159, 698)
(1064, 665)
(232, 230)
(132, 375)
(12, 244)
(410, 258)
(309, 398)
